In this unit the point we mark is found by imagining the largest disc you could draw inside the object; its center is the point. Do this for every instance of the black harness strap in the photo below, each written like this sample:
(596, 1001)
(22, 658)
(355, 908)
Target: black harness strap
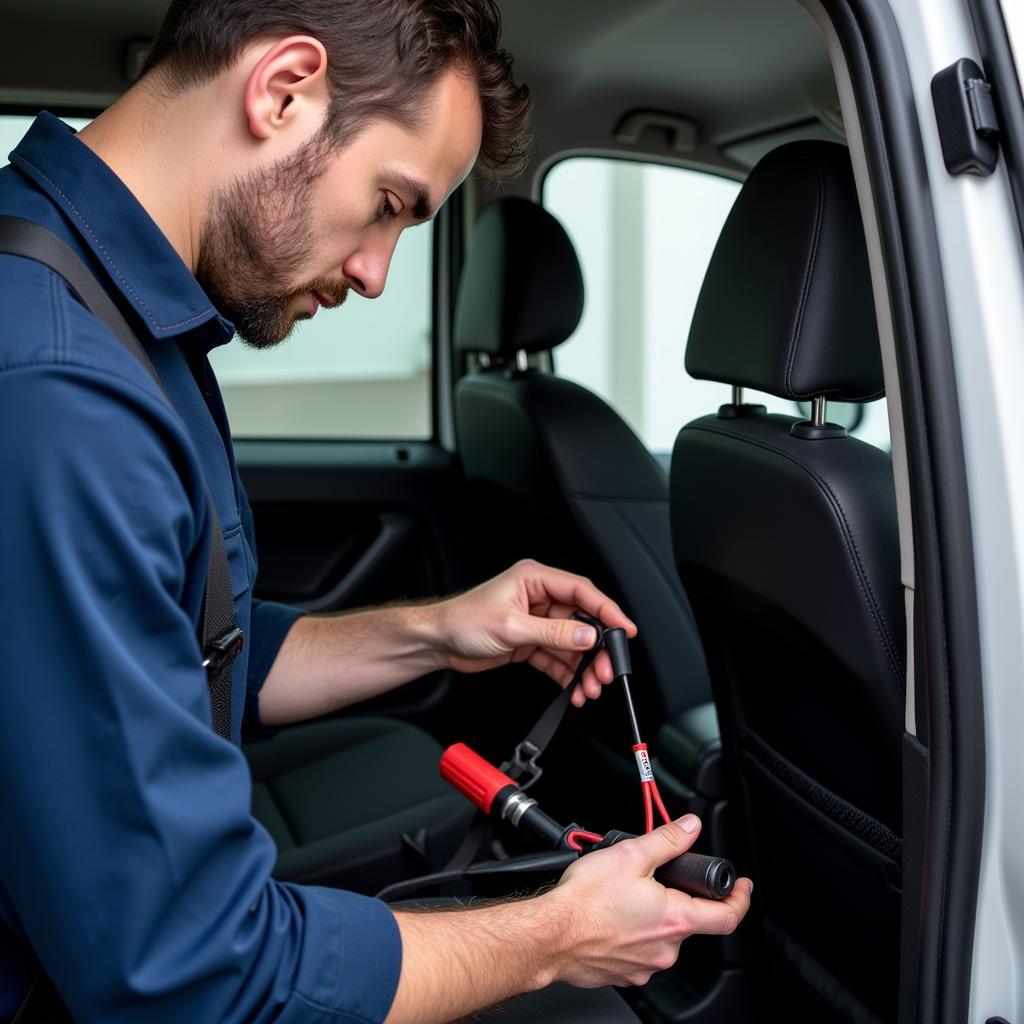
(524, 759)
(220, 637)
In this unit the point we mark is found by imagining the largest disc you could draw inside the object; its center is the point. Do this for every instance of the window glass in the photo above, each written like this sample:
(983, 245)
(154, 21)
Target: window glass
(359, 371)
(644, 234)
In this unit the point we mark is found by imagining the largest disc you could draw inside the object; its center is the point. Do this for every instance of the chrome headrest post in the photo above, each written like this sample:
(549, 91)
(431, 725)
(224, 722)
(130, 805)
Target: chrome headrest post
(522, 360)
(819, 411)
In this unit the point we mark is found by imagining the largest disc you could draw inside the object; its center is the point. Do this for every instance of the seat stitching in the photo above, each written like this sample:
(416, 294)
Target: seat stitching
(805, 286)
(109, 260)
(881, 627)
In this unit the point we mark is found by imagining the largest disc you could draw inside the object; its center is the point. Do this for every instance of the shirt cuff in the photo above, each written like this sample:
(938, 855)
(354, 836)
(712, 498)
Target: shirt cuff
(356, 982)
(268, 626)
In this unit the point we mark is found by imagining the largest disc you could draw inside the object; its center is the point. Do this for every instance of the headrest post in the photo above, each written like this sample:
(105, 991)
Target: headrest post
(522, 360)
(737, 395)
(819, 411)
(817, 428)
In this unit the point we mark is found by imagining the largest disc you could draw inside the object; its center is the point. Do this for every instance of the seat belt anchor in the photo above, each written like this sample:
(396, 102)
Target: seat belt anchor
(224, 649)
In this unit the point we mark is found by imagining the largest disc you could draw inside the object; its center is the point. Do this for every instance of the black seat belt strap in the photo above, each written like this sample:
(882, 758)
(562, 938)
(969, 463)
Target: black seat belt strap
(220, 637)
(524, 759)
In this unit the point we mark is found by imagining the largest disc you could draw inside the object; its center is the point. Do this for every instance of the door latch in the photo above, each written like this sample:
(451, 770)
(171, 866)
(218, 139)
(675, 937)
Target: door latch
(966, 116)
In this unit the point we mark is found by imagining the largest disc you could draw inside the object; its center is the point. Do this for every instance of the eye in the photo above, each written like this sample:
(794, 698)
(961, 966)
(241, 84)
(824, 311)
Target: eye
(390, 208)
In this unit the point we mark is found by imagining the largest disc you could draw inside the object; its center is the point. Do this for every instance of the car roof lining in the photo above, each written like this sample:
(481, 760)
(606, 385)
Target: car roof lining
(750, 73)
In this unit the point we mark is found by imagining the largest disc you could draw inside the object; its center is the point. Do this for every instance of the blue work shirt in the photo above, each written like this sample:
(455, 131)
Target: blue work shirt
(130, 864)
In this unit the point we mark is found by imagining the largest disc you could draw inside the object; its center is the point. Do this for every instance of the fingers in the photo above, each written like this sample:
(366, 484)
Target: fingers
(666, 841)
(554, 634)
(561, 667)
(715, 917)
(553, 585)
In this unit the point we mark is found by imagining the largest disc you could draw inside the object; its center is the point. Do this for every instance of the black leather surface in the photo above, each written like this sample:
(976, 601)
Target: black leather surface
(794, 544)
(521, 287)
(786, 306)
(789, 551)
(562, 474)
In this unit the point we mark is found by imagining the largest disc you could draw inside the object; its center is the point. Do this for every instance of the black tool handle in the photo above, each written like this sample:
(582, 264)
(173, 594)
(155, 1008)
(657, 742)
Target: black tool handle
(694, 873)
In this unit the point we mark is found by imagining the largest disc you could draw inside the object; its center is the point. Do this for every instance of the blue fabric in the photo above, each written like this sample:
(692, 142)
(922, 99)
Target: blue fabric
(129, 861)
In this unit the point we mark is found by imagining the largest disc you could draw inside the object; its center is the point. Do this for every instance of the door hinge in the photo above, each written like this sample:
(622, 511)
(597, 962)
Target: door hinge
(965, 113)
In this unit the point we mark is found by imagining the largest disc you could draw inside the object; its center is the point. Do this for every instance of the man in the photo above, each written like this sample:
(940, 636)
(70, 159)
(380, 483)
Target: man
(262, 167)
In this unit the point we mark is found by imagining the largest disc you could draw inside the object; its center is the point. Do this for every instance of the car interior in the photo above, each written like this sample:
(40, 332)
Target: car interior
(653, 358)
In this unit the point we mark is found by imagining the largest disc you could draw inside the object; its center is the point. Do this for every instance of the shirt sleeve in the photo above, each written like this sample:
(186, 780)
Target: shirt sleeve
(268, 626)
(130, 861)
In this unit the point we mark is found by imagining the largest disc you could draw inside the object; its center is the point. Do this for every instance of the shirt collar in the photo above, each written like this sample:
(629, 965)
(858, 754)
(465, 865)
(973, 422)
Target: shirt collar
(143, 264)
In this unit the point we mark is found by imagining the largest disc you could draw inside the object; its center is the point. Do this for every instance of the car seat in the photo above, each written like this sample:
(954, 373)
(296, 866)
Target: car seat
(785, 536)
(557, 473)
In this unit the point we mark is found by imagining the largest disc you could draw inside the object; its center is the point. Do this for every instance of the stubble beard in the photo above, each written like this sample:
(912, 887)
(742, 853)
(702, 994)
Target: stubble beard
(259, 229)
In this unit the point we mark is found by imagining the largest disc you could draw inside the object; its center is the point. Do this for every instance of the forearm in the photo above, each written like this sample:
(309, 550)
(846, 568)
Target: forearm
(327, 662)
(455, 962)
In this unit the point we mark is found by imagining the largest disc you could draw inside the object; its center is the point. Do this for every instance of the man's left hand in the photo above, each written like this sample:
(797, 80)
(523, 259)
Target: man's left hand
(524, 615)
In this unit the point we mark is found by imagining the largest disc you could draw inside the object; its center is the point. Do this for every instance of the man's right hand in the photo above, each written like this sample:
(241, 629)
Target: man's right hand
(607, 922)
(622, 925)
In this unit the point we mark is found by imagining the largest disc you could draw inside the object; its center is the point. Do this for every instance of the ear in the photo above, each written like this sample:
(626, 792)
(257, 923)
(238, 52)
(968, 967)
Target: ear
(289, 82)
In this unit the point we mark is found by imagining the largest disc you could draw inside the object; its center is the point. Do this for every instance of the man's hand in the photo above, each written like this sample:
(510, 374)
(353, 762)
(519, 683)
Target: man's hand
(524, 615)
(608, 922)
(624, 925)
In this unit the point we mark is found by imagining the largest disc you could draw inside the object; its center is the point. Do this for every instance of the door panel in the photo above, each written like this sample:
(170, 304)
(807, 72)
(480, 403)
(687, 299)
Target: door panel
(343, 525)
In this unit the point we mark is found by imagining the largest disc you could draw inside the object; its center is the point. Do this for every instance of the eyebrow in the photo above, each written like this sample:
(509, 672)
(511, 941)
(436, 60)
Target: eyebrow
(421, 207)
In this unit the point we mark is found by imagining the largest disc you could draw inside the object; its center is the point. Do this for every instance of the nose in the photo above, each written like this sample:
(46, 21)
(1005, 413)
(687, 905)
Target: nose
(366, 270)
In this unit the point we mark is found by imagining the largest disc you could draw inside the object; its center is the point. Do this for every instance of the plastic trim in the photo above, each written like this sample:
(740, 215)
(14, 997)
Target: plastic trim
(948, 693)
(1001, 71)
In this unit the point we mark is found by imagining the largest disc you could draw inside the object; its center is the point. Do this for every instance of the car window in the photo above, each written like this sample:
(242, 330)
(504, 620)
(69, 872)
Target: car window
(644, 234)
(356, 372)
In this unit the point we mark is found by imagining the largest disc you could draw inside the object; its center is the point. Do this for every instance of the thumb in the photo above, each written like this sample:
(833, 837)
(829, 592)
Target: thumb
(668, 841)
(560, 634)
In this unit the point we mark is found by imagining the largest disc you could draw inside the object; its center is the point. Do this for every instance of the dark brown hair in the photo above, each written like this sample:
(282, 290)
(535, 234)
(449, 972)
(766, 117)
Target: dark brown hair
(382, 56)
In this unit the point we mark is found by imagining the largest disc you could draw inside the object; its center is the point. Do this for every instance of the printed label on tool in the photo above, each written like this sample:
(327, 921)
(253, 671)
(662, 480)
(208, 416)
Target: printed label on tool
(643, 763)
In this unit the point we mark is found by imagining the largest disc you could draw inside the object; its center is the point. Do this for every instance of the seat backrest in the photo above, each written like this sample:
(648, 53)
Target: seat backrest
(557, 473)
(785, 536)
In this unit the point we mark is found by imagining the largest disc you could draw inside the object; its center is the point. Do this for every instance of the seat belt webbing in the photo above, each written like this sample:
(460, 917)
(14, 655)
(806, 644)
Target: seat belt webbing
(219, 636)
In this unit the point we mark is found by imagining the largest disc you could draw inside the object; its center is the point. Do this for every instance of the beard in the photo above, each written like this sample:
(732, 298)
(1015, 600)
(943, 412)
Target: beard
(258, 225)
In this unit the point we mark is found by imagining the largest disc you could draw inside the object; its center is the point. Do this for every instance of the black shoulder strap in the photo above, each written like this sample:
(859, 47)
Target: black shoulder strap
(219, 636)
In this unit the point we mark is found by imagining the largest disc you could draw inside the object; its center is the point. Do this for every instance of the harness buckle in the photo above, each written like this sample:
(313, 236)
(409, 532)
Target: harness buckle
(224, 650)
(524, 763)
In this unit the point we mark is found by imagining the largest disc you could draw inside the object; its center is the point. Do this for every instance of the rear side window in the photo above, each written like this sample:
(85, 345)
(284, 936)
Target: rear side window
(645, 234)
(362, 371)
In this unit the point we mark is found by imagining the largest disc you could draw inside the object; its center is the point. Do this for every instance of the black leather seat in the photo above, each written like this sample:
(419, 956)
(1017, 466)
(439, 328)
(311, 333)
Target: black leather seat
(557, 473)
(786, 540)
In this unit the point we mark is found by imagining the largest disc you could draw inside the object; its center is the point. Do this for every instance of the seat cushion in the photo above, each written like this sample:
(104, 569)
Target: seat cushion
(339, 795)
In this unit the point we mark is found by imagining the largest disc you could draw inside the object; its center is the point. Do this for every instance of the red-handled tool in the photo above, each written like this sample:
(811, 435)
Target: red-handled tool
(617, 646)
(501, 797)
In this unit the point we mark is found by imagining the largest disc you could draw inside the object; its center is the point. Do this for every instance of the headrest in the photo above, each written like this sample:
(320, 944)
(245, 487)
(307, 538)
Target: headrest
(521, 286)
(786, 305)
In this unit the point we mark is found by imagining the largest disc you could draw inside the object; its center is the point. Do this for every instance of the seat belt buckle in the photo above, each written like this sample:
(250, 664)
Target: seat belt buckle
(224, 649)
(523, 765)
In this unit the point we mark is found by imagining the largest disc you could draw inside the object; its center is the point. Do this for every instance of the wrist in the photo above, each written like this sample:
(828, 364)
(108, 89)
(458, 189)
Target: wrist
(436, 631)
(560, 913)
(426, 627)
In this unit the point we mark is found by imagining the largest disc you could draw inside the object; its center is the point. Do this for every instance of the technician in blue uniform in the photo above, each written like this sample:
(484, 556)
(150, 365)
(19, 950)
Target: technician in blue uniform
(260, 169)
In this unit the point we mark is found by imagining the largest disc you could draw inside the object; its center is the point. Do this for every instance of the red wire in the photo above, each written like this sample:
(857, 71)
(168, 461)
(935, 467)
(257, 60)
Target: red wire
(648, 808)
(573, 838)
(659, 802)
